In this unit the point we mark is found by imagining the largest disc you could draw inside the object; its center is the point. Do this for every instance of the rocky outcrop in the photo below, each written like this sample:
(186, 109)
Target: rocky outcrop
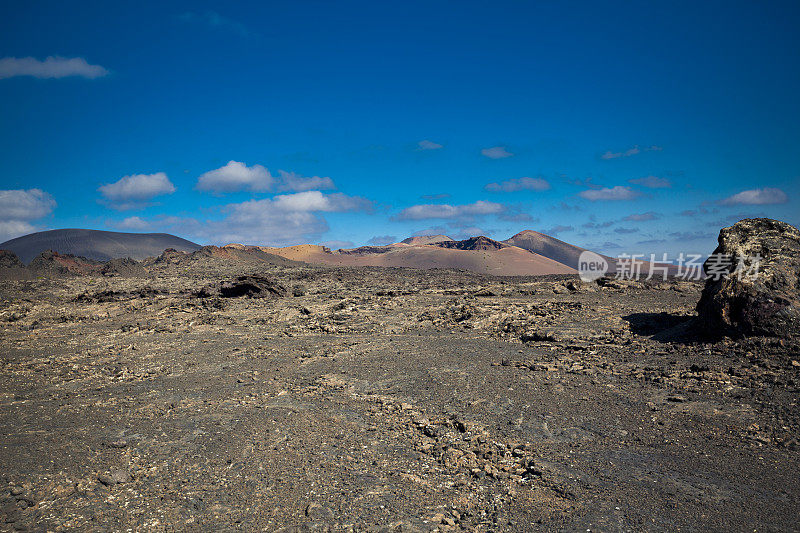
(474, 243)
(251, 286)
(743, 296)
(10, 260)
(125, 267)
(53, 264)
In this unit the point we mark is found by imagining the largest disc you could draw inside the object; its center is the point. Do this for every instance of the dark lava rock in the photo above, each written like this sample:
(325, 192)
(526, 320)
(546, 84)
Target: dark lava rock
(750, 302)
(252, 286)
(125, 267)
(10, 260)
(53, 264)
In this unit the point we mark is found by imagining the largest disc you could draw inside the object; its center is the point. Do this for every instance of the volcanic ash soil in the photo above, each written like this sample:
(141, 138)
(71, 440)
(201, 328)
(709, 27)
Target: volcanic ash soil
(322, 399)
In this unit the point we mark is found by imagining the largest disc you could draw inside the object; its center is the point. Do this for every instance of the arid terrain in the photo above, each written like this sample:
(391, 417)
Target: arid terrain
(181, 394)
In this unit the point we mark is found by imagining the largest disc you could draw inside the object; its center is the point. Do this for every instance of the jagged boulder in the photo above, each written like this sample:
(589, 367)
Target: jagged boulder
(124, 267)
(753, 297)
(251, 286)
(10, 260)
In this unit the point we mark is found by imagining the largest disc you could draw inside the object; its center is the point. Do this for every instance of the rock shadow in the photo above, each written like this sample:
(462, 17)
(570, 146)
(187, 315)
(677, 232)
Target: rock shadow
(668, 327)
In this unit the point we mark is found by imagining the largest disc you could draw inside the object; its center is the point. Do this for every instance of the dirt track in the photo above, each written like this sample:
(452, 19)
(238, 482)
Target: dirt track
(366, 399)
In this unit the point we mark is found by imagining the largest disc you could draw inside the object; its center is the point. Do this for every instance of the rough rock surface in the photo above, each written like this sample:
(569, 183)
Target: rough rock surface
(385, 400)
(762, 302)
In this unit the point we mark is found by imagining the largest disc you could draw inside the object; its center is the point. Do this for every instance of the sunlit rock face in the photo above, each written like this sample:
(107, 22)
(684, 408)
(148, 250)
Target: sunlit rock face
(761, 298)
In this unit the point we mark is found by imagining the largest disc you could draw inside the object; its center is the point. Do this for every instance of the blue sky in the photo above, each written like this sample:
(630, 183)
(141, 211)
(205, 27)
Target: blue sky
(624, 127)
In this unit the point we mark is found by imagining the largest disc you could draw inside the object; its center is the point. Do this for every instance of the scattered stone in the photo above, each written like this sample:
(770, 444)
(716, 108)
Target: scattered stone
(319, 512)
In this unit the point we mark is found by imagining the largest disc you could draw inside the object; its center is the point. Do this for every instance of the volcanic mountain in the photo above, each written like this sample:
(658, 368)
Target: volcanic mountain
(478, 254)
(548, 246)
(96, 244)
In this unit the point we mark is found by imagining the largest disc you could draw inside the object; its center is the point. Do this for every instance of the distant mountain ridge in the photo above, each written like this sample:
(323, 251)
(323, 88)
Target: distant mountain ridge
(539, 243)
(477, 254)
(96, 244)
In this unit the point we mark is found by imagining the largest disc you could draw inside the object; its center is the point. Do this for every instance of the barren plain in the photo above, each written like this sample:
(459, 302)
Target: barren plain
(192, 397)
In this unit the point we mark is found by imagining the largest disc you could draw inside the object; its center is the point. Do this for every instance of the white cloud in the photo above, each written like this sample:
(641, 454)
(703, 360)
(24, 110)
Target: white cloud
(519, 184)
(496, 152)
(425, 211)
(291, 181)
(280, 221)
(652, 182)
(19, 204)
(429, 145)
(133, 223)
(316, 201)
(285, 219)
(765, 196)
(614, 193)
(133, 192)
(236, 176)
(19, 207)
(52, 67)
(10, 229)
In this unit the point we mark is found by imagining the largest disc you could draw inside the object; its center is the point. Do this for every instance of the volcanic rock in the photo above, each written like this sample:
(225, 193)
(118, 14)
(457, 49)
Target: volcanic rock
(125, 267)
(251, 286)
(753, 297)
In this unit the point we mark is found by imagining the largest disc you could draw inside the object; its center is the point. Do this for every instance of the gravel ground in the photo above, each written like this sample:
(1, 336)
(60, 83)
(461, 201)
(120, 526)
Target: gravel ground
(386, 400)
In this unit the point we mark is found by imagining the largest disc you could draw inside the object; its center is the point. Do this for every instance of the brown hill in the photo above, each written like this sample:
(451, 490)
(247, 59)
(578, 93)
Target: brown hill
(548, 246)
(479, 254)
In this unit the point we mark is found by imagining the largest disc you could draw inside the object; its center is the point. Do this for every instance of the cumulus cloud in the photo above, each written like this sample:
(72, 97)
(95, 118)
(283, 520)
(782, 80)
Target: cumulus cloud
(614, 193)
(519, 184)
(236, 176)
(425, 211)
(381, 240)
(428, 145)
(133, 192)
(30, 204)
(279, 221)
(10, 229)
(652, 182)
(629, 152)
(765, 196)
(132, 223)
(19, 208)
(316, 201)
(496, 152)
(642, 217)
(51, 67)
